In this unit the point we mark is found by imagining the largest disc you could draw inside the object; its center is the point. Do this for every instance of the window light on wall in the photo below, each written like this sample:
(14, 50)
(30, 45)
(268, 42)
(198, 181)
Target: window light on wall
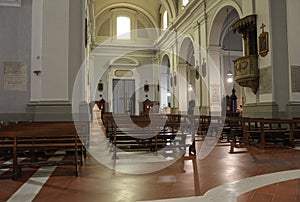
(165, 20)
(184, 3)
(123, 27)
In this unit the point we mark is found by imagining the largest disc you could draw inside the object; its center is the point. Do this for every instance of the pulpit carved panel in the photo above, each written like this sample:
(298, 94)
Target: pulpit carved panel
(246, 72)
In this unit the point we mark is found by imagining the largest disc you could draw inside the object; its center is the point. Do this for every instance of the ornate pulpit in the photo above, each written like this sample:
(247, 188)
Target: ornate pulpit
(246, 68)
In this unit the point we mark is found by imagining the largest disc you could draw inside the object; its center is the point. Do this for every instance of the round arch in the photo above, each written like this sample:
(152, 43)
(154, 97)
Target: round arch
(219, 16)
(170, 7)
(165, 83)
(186, 77)
(129, 6)
(186, 51)
(165, 60)
(224, 46)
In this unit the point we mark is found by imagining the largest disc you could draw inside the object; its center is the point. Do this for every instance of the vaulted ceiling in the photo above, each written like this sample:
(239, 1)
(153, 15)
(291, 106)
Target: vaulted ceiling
(150, 8)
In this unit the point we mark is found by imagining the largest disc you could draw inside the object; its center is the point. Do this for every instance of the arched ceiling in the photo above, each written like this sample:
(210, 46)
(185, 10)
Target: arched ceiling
(171, 7)
(152, 7)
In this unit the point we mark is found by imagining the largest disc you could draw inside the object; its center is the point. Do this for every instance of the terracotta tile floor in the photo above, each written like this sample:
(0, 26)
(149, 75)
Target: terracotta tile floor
(98, 183)
(279, 192)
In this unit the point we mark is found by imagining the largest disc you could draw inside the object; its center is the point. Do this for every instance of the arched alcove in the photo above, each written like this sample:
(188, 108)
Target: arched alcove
(165, 83)
(224, 47)
(186, 75)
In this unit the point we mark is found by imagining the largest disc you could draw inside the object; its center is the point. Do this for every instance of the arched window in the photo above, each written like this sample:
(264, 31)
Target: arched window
(123, 27)
(165, 20)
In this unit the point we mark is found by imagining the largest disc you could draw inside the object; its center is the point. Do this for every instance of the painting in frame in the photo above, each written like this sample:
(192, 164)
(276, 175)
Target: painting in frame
(263, 41)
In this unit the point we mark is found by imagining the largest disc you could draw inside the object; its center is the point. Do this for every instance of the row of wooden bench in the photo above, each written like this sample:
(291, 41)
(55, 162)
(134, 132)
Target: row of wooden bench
(135, 133)
(198, 124)
(43, 137)
(237, 130)
(263, 132)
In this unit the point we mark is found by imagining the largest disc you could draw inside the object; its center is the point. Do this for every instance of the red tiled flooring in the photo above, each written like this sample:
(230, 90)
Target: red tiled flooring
(288, 191)
(8, 186)
(98, 183)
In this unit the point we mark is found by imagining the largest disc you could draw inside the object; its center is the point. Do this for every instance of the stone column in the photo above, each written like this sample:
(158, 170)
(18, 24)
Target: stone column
(293, 107)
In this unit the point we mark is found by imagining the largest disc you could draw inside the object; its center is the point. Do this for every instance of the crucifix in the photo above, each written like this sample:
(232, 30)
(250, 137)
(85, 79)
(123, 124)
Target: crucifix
(262, 27)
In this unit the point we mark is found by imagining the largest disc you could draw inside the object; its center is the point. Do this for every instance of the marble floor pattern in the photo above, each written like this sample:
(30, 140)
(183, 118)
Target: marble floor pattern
(247, 175)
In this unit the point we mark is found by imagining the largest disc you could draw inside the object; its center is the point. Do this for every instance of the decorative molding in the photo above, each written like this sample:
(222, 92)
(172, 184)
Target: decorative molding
(124, 61)
(11, 3)
(123, 73)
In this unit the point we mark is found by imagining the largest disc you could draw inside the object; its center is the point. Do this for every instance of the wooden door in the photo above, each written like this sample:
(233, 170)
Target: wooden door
(124, 96)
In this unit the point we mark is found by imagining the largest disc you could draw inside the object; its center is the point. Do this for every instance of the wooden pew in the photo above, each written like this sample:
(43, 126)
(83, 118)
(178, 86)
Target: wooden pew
(203, 123)
(232, 128)
(251, 130)
(108, 120)
(146, 133)
(275, 131)
(181, 125)
(263, 132)
(295, 132)
(235, 131)
(244, 132)
(43, 136)
(131, 137)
